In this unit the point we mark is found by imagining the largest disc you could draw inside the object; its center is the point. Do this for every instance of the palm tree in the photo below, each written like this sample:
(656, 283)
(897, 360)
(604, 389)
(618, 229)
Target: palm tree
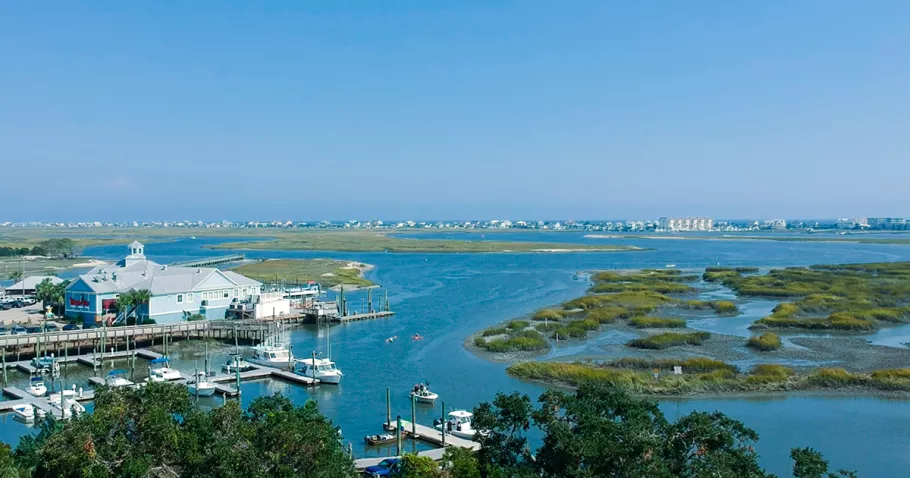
(142, 297)
(125, 303)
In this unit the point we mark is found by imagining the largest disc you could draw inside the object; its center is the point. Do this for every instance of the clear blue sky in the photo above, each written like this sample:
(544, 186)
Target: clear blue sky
(461, 109)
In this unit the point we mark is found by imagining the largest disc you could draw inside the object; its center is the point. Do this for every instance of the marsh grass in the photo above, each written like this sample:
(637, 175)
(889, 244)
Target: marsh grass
(656, 323)
(765, 342)
(669, 339)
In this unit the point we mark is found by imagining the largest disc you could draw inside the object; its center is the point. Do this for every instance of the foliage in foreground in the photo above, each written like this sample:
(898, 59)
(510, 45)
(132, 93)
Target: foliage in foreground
(157, 431)
(603, 431)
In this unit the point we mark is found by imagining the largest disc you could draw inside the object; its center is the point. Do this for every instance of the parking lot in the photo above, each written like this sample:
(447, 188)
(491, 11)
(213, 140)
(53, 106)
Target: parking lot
(24, 315)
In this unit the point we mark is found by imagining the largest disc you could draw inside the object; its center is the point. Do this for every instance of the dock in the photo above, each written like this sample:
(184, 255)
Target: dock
(209, 261)
(420, 432)
(365, 316)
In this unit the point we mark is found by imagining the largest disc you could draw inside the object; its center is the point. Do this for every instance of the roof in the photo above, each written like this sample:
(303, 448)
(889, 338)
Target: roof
(461, 414)
(30, 283)
(135, 244)
(158, 279)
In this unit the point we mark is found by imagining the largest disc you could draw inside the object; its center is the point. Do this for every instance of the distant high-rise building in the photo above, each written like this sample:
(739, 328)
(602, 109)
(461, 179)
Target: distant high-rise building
(686, 223)
(887, 222)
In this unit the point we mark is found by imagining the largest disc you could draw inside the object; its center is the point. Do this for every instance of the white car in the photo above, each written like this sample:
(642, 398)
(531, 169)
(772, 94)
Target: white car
(29, 300)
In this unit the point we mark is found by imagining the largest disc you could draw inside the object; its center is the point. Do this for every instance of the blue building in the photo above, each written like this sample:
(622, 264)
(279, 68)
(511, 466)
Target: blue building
(176, 292)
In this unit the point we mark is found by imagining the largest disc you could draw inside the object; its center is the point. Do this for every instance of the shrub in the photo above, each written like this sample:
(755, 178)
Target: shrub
(547, 314)
(668, 339)
(764, 342)
(656, 322)
(480, 342)
(724, 307)
(768, 373)
(494, 331)
(517, 325)
(195, 317)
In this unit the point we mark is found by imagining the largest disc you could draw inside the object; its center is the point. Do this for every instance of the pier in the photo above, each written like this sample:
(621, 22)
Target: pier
(366, 316)
(424, 433)
(209, 261)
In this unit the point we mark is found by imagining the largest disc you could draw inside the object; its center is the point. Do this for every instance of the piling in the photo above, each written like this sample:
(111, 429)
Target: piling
(196, 377)
(237, 374)
(4, 367)
(388, 406)
(291, 359)
(206, 358)
(66, 361)
(398, 437)
(443, 427)
(313, 367)
(413, 415)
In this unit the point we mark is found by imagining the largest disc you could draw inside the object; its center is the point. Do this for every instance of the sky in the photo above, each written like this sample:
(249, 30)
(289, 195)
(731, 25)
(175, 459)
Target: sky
(303, 110)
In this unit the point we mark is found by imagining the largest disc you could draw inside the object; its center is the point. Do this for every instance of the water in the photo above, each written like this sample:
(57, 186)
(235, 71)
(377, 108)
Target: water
(446, 297)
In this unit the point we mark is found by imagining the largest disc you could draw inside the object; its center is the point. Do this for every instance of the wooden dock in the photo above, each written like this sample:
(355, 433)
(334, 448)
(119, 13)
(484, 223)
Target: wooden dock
(420, 432)
(366, 316)
(209, 261)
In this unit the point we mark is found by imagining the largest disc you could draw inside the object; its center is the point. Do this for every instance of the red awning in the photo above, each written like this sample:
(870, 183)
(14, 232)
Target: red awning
(108, 304)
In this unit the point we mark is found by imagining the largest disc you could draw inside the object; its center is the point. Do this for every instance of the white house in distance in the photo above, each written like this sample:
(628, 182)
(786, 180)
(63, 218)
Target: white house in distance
(176, 291)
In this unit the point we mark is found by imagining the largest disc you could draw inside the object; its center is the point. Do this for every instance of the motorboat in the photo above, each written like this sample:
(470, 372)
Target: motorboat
(45, 364)
(201, 386)
(28, 412)
(117, 378)
(271, 355)
(422, 393)
(36, 387)
(236, 363)
(379, 439)
(161, 371)
(322, 369)
(69, 394)
(70, 408)
(458, 424)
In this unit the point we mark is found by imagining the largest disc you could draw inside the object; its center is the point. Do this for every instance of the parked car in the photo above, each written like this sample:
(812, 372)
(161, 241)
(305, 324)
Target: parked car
(17, 304)
(70, 327)
(18, 330)
(28, 301)
(33, 330)
(386, 468)
(3, 331)
(6, 305)
(51, 327)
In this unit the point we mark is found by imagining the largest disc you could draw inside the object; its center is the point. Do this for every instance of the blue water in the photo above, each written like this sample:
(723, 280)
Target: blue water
(446, 297)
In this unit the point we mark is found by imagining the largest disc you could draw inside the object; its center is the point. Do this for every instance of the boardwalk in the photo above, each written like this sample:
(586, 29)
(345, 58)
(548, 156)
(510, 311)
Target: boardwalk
(367, 316)
(209, 261)
(424, 433)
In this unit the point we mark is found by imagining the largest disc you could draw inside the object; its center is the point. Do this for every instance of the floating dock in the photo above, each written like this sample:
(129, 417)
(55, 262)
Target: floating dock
(420, 432)
(366, 316)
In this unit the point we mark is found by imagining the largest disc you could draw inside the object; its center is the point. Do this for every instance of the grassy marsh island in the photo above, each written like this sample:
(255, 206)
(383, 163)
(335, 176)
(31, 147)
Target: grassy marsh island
(516, 335)
(707, 376)
(765, 342)
(852, 297)
(666, 340)
(328, 272)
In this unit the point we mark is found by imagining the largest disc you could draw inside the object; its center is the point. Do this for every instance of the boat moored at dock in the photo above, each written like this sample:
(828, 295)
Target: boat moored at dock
(458, 424)
(161, 371)
(36, 387)
(201, 385)
(271, 355)
(322, 369)
(117, 378)
(235, 363)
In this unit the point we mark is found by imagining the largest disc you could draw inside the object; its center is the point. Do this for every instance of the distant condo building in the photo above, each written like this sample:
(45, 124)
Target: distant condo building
(846, 223)
(887, 223)
(686, 223)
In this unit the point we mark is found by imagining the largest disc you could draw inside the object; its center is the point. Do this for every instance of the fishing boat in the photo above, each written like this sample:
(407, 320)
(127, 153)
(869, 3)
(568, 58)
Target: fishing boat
(236, 363)
(201, 386)
(379, 439)
(161, 371)
(323, 369)
(421, 392)
(117, 378)
(458, 424)
(36, 387)
(271, 355)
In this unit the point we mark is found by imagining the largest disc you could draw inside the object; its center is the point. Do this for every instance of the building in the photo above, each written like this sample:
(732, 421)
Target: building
(28, 285)
(847, 223)
(176, 292)
(685, 224)
(887, 222)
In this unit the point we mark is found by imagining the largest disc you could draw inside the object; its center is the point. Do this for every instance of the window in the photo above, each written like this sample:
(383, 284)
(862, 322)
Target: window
(179, 298)
(189, 297)
(235, 292)
(245, 291)
(225, 294)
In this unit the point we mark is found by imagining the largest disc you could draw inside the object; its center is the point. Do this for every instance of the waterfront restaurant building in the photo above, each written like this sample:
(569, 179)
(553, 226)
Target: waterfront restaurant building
(176, 292)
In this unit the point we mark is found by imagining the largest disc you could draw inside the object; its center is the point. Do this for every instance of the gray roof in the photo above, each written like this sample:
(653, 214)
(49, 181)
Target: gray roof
(157, 278)
(135, 244)
(30, 283)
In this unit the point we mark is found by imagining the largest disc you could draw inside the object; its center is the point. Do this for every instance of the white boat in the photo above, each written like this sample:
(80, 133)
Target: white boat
(161, 371)
(458, 424)
(236, 363)
(45, 364)
(202, 385)
(36, 387)
(117, 378)
(271, 355)
(422, 393)
(27, 412)
(67, 395)
(70, 407)
(323, 369)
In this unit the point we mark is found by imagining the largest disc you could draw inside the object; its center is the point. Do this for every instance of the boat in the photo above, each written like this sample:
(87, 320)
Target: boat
(193, 237)
(322, 369)
(117, 378)
(422, 393)
(379, 439)
(391, 339)
(271, 355)
(36, 387)
(236, 363)
(45, 364)
(201, 386)
(161, 371)
(70, 408)
(67, 395)
(458, 424)
(671, 265)
(28, 412)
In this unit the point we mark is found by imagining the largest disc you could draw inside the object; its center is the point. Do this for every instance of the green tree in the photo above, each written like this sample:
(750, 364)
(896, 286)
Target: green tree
(414, 466)
(15, 276)
(143, 297)
(808, 463)
(460, 462)
(503, 444)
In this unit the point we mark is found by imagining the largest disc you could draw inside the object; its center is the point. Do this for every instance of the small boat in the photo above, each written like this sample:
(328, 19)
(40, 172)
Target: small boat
(201, 386)
(422, 393)
(67, 395)
(391, 339)
(36, 387)
(322, 369)
(45, 364)
(117, 378)
(193, 237)
(70, 408)
(236, 363)
(458, 424)
(379, 439)
(271, 355)
(161, 371)
(28, 412)
(671, 265)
